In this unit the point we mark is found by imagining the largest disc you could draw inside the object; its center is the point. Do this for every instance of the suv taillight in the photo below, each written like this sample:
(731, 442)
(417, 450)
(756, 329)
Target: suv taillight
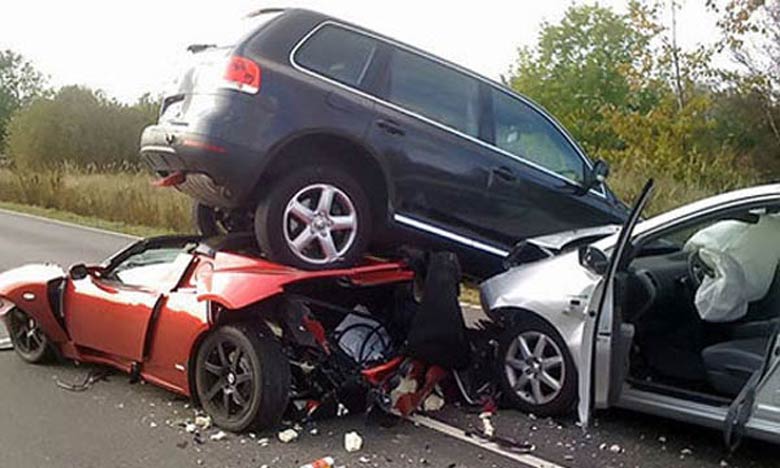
(242, 75)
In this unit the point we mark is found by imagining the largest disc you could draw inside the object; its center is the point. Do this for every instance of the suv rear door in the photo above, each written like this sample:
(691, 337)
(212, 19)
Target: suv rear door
(428, 126)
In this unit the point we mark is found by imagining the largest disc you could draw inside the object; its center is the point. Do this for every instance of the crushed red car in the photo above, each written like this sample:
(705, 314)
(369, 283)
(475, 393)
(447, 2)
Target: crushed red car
(247, 339)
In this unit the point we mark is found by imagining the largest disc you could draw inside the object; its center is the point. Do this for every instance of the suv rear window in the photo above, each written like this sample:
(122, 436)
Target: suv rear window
(434, 91)
(337, 53)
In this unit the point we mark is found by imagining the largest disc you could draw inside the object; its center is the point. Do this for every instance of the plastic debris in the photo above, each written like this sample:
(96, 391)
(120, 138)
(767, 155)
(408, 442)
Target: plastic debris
(287, 436)
(263, 442)
(686, 451)
(487, 424)
(615, 448)
(190, 427)
(153, 424)
(364, 459)
(353, 442)
(341, 411)
(219, 436)
(325, 462)
(203, 422)
(433, 403)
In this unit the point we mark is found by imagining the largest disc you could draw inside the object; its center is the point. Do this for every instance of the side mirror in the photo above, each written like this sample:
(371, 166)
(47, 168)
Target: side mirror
(595, 176)
(594, 259)
(78, 271)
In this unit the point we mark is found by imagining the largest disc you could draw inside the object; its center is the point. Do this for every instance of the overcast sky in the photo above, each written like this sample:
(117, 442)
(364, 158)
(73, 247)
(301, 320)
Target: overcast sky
(129, 47)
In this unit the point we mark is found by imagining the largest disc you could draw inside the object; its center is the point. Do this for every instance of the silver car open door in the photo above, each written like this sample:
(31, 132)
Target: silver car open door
(601, 351)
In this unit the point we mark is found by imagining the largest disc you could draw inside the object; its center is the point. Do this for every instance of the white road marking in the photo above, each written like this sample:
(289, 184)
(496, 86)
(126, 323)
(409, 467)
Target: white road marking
(456, 433)
(68, 224)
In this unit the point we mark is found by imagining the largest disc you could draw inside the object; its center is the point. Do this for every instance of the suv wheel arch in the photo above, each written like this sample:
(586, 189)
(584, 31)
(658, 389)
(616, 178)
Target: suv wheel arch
(333, 148)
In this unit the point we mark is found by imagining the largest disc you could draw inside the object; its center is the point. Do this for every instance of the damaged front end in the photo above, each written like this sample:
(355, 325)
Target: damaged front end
(376, 347)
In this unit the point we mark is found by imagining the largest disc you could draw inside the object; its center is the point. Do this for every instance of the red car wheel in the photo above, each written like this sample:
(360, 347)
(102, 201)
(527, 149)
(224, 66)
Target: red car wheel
(28, 339)
(242, 378)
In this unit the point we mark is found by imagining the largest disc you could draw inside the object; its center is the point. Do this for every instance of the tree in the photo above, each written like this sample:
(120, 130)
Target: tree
(20, 83)
(593, 58)
(78, 126)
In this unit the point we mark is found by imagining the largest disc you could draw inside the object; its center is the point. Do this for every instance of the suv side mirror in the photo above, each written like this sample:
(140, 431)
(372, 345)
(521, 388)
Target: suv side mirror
(596, 175)
(78, 271)
(594, 259)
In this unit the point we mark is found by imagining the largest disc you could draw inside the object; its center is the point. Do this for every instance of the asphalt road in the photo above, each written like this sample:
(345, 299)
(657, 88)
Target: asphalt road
(118, 424)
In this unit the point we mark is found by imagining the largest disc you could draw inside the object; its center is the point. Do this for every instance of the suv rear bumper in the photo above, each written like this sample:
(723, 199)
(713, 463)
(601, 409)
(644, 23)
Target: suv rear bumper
(215, 172)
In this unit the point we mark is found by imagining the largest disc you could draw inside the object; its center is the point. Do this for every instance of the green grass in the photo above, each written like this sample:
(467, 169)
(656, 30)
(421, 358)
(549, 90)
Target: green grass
(90, 221)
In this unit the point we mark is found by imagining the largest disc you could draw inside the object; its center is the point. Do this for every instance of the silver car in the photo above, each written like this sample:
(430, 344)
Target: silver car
(608, 317)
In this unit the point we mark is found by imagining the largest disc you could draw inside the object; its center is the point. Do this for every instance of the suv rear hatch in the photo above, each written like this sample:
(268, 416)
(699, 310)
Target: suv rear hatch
(213, 66)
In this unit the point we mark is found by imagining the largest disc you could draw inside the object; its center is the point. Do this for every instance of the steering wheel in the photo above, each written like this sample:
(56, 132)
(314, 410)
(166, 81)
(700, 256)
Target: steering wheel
(698, 270)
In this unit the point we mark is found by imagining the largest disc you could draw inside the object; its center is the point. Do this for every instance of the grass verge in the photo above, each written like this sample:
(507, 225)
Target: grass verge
(90, 221)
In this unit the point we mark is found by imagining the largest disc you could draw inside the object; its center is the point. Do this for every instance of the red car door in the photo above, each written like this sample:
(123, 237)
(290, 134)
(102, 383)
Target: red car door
(108, 316)
(110, 310)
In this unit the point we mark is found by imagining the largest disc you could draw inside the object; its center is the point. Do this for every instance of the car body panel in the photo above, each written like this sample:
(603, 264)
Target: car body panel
(545, 288)
(28, 285)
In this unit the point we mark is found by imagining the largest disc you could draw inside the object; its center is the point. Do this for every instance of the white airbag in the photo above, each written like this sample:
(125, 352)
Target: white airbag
(744, 257)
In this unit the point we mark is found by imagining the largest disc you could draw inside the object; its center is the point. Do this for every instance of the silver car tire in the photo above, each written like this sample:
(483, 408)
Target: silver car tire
(535, 369)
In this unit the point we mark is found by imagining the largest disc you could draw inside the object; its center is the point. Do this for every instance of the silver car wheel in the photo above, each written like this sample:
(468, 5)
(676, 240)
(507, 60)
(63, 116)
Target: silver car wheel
(320, 224)
(534, 367)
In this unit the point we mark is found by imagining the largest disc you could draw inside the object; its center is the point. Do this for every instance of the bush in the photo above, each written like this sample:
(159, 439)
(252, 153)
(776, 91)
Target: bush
(76, 126)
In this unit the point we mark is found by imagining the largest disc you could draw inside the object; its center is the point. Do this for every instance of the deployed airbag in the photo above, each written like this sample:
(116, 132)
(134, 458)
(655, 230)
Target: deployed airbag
(744, 257)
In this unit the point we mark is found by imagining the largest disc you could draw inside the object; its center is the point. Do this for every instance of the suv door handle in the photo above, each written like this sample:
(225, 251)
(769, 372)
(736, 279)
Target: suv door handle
(390, 126)
(505, 173)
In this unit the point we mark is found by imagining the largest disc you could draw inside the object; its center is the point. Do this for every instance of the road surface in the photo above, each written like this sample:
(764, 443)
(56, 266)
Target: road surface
(119, 424)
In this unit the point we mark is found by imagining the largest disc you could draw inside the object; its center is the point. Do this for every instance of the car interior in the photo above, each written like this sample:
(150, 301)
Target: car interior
(676, 348)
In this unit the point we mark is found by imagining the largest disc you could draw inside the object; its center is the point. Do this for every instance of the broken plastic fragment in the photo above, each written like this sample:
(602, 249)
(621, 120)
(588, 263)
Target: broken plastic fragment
(324, 462)
(352, 442)
(487, 424)
(433, 403)
(218, 436)
(287, 436)
(203, 422)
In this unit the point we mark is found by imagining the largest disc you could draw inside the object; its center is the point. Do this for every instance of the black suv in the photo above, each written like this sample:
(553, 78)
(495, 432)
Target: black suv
(328, 140)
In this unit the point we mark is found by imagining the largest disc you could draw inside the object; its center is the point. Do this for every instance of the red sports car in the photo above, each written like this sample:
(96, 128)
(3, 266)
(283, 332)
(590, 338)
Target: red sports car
(209, 320)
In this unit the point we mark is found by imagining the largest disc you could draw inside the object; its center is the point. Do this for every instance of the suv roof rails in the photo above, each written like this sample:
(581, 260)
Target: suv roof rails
(265, 11)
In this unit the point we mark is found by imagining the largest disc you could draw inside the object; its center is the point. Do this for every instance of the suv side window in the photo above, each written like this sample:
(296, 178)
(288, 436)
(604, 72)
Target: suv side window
(435, 91)
(338, 53)
(524, 132)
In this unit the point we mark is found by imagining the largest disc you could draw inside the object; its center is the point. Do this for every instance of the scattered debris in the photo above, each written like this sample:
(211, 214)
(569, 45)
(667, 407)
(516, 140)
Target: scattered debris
(218, 436)
(615, 448)
(203, 422)
(263, 442)
(353, 442)
(686, 451)
(724, 463)
(314, 431)
(364, 459)
(182, 445)
(433, 403)
(153, 424)
(190, 427)
(5, 344)
(325, 462)
(89, 380)
(487, 424)
(288, 435)
(662, 439)
(341, 411)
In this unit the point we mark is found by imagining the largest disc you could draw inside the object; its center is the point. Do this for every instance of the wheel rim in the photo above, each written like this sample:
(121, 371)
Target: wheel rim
(228, 380)
(320, 224)
(535, 367)
(28, 338)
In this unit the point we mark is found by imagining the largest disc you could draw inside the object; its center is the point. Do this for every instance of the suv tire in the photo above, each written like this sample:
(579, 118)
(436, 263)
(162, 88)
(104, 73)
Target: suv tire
(314, 218)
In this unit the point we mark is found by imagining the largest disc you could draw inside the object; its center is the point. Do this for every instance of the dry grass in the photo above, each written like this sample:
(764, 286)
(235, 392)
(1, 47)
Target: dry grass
(121, 197)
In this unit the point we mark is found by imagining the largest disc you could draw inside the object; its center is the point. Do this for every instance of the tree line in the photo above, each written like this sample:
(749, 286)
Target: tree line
(619, 81)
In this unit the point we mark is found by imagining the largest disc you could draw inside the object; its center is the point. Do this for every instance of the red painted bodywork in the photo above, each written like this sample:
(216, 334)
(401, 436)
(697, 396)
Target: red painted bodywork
(157, 330)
